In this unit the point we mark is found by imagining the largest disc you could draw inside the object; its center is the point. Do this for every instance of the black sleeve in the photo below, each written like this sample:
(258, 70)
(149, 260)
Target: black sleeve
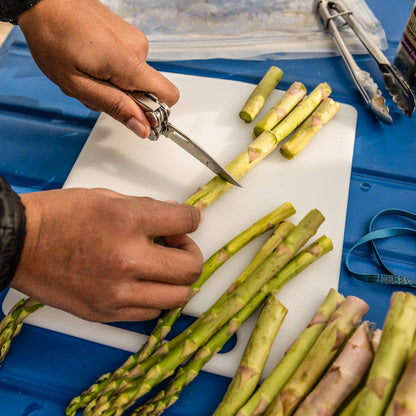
(10, 10)
(12, 232)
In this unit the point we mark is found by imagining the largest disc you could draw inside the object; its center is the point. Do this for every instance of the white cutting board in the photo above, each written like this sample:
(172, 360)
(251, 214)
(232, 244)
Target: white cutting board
(115, 158)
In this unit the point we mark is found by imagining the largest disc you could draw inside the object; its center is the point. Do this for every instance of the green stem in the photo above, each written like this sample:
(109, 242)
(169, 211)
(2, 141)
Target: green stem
(284, 106)
(258, 97)
(254, 358)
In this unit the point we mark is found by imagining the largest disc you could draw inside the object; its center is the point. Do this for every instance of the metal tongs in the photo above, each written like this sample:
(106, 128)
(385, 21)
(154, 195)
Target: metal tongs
(398, 88)
(158, 115)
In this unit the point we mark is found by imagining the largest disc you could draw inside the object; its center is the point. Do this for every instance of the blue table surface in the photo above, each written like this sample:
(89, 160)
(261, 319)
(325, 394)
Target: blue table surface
(43, 131)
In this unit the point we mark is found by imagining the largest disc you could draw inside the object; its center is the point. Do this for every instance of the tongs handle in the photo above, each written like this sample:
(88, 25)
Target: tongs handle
(396, 85)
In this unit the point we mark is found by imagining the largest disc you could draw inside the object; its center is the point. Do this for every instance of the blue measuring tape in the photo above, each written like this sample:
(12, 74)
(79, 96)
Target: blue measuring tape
(389, 278)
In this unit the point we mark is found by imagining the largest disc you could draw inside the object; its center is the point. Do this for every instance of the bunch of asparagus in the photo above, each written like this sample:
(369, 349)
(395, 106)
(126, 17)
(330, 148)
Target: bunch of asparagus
(292, 110)
(338, 365)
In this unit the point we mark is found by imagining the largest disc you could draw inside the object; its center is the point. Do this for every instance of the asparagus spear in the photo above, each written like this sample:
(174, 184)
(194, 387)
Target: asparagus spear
(342, 323)
(254, 358)
(166, 321)
(284, 106)
(301, 111)
(269, 389)
(238, 167)
(257, 98)
(323, 113)
(216, 319)
(187, 373)
(137, 369)
(403, 402)
(343, 376)
(12, 323)
(396, 341)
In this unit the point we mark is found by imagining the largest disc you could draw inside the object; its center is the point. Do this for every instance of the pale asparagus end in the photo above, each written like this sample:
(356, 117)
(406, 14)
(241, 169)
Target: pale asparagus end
(343, 376)
(258, 97)
(283, 107)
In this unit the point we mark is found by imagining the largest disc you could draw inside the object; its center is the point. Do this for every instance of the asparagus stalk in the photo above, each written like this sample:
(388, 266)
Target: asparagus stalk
(238, 167)
(323, 113)
(284, 106)
(261, 399)
(217, 318)
(343, 376)
(166, 321)
(258, 97)
(254, 358)
(403, 402)
(342, 323)
(187, 373)
(213, 263)
(389, 361)
(11, 324)
(137, 369)
(301, 111)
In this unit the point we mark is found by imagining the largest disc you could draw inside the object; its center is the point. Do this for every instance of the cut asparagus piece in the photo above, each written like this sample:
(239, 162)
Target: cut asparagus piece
(396, 341)
(134, 388)
(344, 320)
(254, 358)
(261, 399)
(343, 376)
(323, 113)
(187, 373)
(258, 97)
(11, 324)
(301, 111)
(279, 111)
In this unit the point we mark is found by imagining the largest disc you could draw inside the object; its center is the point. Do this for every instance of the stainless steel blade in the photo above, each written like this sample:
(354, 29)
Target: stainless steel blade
(195, 150)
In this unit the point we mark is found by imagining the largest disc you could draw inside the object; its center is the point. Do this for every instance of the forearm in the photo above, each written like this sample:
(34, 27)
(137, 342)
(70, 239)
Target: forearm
(10, 10)
(12, 232)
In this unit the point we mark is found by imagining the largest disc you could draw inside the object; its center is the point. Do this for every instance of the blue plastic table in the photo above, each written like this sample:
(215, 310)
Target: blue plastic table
(43, 131)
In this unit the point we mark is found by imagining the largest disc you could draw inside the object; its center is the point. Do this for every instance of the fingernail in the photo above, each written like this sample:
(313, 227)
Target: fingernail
(137, 127)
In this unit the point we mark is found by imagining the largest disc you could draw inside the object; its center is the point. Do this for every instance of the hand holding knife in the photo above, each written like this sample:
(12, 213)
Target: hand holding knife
(157, 114)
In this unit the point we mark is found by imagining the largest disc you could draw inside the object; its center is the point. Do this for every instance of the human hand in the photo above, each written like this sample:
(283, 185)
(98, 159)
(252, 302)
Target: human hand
(91, 54)
(91, 253)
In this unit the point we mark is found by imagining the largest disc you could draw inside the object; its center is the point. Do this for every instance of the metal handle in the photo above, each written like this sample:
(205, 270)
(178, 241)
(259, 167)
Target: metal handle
(156, 112)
